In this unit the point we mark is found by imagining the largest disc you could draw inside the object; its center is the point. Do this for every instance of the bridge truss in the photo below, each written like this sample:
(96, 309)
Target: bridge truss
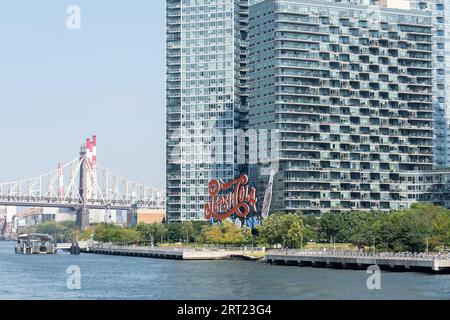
(81, 185)
(61, 188)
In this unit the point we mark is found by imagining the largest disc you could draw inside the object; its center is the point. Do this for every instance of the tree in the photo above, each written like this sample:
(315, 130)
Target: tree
(331, 226)
(234, 235)
(350, 226)
(275, 229)
(173, 232)
(105, 232)
(144, 231)
(198, 227)
(161, 231)
(128, 235)
(154, 232)
(187, 230)
(412, 229)
(441, 231)
(227, 234)
(421, 226)
(295, 234)
(211, 234)
(60, 231)
(87, 233)
(311, 225)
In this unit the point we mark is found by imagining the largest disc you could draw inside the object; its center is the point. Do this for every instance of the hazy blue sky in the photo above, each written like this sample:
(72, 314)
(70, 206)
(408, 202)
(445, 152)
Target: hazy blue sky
(58, 86)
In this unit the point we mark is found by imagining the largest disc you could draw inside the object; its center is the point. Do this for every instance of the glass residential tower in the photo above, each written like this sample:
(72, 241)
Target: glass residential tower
(356, 89)
(350, 88)
(206, 98)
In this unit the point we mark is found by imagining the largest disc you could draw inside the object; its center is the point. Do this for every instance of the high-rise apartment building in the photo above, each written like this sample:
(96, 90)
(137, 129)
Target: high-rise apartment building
(350, 89)
(440, 13)
(206, 95)
(355, 88)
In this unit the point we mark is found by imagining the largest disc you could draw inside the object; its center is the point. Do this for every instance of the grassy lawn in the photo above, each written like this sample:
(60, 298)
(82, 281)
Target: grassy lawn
(308, 245)
(343, 246)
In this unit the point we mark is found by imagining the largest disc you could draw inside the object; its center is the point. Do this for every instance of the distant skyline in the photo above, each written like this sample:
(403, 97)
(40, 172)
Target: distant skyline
(60, 86)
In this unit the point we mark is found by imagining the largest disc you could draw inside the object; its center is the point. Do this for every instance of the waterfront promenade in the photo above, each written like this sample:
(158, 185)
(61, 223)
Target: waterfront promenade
(427, 262)
(179, 253)
(341, 259)
(109, 277)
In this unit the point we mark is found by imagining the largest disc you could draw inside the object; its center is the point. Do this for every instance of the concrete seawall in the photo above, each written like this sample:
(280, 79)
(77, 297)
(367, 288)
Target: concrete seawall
(169, 253)
(356, 260)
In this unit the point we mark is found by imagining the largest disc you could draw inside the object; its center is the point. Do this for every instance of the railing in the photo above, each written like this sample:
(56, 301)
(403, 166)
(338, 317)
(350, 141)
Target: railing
(174, 249)
(67, 245)
(134, 247)
(358, 254)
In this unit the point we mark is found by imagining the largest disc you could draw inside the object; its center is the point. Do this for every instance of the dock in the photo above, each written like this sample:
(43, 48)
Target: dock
(421, 262)
(171, 253)
(66, 246)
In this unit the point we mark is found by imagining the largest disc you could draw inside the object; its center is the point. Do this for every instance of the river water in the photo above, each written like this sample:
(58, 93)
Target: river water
(116, 277)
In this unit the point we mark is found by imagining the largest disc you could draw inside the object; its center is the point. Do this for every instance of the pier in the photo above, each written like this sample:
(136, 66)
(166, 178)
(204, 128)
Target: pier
(339, 259)
(424, 262)
(172, 253)
(84, 245)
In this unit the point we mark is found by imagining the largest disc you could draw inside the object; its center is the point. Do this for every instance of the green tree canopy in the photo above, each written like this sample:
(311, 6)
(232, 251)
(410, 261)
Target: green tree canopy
(225, 234)
(187, 230)
(275, 229)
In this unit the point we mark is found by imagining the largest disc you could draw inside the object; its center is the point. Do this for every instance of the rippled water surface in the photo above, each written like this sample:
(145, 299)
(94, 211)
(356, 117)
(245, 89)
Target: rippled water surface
(115, 277)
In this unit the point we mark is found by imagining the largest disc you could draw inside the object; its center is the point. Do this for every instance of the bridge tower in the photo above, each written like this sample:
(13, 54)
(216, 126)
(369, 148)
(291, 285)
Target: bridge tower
(83, 211)
(91, 158)
(80, 186)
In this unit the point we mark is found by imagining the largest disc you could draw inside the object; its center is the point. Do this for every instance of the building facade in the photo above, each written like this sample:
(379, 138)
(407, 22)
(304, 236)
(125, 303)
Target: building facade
(356, 90)
(349, 87)
(206, 98)
(427, 186)
(439, 10)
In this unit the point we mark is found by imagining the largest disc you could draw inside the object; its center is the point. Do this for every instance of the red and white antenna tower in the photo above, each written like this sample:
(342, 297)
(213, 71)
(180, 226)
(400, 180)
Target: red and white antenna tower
(91, 151)
(91, 157)
(60, 180)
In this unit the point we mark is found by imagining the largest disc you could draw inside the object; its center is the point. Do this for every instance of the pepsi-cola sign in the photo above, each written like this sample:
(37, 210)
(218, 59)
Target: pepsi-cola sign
(226, 199)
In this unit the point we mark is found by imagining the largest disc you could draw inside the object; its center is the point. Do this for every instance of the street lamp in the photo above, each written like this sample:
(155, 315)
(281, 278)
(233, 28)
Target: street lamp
(333, 242)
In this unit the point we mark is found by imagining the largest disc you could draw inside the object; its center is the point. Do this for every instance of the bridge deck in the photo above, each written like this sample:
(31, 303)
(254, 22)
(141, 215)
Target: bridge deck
(67, 205)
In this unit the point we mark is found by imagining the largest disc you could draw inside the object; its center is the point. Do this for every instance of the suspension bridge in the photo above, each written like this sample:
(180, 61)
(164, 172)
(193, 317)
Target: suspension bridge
(81, 185)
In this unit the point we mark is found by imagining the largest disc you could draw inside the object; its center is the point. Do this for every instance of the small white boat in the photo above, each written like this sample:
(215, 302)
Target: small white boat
(35, 243)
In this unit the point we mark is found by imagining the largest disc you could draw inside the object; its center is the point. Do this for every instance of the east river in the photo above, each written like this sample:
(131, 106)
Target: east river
(115, 277)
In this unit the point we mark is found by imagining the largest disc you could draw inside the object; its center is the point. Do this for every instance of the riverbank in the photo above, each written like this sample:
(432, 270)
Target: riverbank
(342, 259)
(181, 253)
(120, 277)
(337, 259)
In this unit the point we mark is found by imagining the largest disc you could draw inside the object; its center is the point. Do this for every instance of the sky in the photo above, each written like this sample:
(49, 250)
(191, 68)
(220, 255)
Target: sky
(60, 86)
